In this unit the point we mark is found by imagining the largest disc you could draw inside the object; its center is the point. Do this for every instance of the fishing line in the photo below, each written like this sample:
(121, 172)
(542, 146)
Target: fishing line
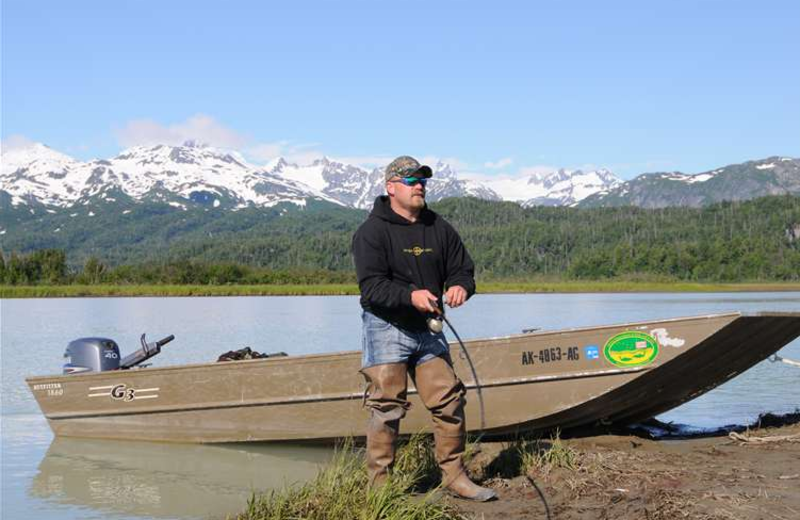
(483, 414)
(472, 369)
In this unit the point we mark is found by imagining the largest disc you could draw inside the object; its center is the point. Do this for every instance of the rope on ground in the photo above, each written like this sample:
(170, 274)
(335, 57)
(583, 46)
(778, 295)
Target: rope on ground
(750, 439)
(775, 358)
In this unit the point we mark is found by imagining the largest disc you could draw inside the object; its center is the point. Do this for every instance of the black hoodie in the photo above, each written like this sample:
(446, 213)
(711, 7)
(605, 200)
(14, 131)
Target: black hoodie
(394, 256)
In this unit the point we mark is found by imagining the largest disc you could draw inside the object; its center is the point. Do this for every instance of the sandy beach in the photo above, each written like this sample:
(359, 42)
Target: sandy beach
(754, 474)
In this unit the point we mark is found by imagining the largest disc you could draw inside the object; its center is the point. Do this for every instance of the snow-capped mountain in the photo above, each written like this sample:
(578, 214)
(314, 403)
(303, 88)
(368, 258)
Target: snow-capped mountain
(558, 188)
(39, 173)
(348, 184)
(445, 183)
(357, 187)
(748, 180)
(191, 172)
(205, 175)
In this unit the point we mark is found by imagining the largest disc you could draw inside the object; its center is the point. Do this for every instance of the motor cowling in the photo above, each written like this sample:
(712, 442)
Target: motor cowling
(91, 355)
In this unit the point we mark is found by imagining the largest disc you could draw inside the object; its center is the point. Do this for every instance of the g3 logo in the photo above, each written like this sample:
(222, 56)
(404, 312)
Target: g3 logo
(123, 393)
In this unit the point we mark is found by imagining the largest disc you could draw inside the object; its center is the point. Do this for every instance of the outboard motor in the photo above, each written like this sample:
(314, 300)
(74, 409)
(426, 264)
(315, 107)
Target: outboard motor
(91, 355)
(102, 354)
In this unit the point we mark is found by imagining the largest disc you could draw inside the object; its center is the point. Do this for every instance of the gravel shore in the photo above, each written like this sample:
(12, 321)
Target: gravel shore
(749, 475)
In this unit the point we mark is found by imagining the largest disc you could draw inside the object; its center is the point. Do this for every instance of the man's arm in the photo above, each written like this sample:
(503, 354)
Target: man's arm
(372, 271)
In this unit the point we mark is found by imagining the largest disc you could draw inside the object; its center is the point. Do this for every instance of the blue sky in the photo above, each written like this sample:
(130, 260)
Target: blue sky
(498, 88)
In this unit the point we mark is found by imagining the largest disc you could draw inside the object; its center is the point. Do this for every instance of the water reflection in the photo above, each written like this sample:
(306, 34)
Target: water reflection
(167, 480)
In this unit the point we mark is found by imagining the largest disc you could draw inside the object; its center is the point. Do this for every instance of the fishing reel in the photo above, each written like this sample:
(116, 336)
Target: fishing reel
(435, 324)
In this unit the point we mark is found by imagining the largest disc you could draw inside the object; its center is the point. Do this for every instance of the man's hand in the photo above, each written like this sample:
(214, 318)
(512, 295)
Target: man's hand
(455, 296)
(424, 301)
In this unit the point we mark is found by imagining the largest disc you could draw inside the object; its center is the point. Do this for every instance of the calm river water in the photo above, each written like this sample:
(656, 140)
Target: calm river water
(47, 478)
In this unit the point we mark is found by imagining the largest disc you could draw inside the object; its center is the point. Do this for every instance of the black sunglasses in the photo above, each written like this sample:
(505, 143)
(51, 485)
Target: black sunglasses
(412, 181)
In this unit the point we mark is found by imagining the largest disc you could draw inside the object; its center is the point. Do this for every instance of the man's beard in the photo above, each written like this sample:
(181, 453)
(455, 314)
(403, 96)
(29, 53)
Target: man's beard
(418, 202)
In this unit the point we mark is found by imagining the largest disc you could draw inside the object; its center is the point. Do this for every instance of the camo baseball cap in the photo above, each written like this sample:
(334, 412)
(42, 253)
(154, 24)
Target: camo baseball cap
(405, 166)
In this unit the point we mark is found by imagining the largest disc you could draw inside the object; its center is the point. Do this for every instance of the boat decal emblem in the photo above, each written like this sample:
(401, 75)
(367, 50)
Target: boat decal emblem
(591, 352)
(631, 349)
(122, 392)
(664, 340)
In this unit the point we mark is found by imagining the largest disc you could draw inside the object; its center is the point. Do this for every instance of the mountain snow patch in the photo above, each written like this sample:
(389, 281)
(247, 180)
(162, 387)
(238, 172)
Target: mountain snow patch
(700, 177)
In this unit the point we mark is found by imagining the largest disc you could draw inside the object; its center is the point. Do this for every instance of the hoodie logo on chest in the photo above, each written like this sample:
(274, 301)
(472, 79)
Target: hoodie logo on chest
(416, 250)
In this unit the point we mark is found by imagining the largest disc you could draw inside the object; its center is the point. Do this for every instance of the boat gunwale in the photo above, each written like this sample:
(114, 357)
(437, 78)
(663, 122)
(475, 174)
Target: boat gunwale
(324, 357)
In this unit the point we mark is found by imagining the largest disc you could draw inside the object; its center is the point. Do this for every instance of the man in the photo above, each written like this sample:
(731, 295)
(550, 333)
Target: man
(407, 257)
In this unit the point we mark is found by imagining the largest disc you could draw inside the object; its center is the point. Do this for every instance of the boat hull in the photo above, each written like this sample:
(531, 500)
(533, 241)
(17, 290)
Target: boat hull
(529, 383)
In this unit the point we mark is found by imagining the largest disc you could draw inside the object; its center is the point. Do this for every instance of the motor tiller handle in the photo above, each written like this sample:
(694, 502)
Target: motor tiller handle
(162, 342)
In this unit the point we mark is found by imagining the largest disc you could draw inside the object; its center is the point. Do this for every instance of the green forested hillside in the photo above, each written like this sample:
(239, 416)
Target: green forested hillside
(753, 240)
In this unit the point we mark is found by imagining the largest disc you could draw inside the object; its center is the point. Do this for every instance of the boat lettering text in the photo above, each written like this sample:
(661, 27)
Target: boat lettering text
(50, 389)
(548, 355)
(47, 386)
(122, 392)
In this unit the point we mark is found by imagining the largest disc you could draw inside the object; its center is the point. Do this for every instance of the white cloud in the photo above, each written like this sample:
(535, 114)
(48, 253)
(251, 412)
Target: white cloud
(502, 163)
(539, 169)
(454, 162)
(476, 176)
(200, 128)
(294, 153)
(205, 129)
(15, 142)
(265, 152)
(367, 162)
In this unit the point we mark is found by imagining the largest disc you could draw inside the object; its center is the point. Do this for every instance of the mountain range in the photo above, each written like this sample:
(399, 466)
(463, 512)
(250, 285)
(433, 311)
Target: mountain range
(736, 182)
(194, 174)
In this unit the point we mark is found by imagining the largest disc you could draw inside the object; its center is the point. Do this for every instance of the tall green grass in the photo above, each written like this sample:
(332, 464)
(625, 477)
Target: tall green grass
(341, 491)
(527, 456)
(541, 458)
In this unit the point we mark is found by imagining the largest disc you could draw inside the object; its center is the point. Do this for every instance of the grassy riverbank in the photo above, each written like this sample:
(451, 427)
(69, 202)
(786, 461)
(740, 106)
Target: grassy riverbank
(604, 286)
(341, 490)
(718, 477)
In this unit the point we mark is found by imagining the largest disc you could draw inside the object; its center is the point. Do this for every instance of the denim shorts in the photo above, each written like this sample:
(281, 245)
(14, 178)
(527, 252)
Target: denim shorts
(382, 342)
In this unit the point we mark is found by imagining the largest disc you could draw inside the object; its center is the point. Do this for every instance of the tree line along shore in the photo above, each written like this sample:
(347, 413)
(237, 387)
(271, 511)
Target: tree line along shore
(333, 289)
(752, 245)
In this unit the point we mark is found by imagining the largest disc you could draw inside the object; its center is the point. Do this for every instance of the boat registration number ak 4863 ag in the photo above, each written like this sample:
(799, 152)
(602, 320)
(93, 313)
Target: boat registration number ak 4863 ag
(549, 355)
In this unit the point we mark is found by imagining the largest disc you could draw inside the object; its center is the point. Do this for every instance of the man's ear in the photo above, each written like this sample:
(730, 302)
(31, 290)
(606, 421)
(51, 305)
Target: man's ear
(390, 187)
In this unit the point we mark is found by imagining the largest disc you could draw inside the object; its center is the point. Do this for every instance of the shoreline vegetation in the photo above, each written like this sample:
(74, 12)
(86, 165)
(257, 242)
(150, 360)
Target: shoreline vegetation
(733, 472)
(345, 289)
(46, 273)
